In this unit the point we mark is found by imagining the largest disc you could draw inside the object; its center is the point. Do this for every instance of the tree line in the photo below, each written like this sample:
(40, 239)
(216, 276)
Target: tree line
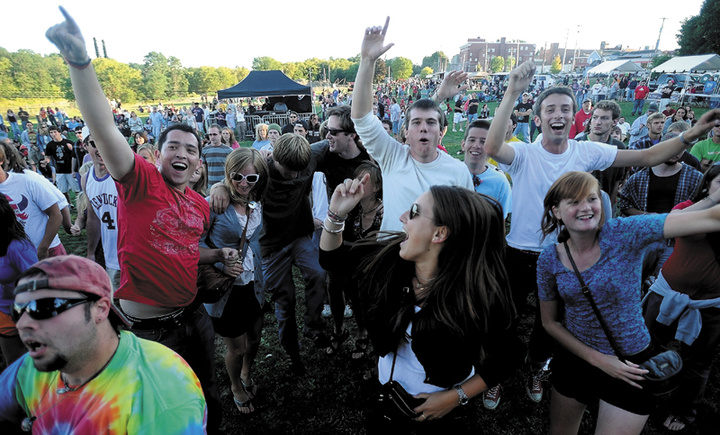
(26, 74)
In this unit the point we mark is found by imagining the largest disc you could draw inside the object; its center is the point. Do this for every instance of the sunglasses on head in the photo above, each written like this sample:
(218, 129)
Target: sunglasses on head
(250, 178)
(335, 131)
(43, 309)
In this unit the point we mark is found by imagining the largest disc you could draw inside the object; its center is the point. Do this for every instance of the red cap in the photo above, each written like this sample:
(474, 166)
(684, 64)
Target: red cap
(70, 272)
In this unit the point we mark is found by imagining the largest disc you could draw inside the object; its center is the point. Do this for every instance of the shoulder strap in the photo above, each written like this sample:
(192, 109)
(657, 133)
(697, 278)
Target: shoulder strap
(586, 291)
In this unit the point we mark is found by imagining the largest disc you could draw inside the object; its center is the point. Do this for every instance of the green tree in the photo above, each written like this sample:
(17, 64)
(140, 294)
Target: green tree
(401, 68)
(436, 61)
(497, 64)
(509, 63)
(381, 70)
(556, 66)
(426, 71)
(119, 81)
(266, 64)
(178, 83)
(659, 59)
(155, 72)
(701, 34)
(240, 73)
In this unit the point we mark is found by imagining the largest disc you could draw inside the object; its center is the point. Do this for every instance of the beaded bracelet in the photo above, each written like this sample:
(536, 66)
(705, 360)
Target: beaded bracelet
(337, 231)
(336, 218)
(79, 65)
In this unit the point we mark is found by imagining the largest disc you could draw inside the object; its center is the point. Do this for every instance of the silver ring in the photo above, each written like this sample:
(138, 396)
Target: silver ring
(423, 416)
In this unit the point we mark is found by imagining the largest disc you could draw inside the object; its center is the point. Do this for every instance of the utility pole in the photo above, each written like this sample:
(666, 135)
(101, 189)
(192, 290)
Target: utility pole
(657, 44)
(544, 56)
(575, 53)
(567, 35)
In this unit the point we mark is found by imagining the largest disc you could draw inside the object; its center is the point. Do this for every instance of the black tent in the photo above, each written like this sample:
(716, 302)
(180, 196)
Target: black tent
(272, 84)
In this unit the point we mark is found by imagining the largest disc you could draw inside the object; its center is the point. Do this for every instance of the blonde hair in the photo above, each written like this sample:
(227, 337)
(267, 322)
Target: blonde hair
(258, 129)
(240, 158)
(292, 151)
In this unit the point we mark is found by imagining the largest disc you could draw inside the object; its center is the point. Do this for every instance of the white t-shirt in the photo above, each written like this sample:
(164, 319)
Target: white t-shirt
(102, 197)
(29, 197)
(62, 201)
(404, 178)
(533, 171)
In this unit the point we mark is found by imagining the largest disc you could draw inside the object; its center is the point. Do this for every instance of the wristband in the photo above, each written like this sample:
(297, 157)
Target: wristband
(337, 231)
(336, 218)
(79, 65)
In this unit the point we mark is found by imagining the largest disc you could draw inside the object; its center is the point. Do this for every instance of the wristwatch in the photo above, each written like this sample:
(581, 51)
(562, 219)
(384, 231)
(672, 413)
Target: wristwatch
(462, 397)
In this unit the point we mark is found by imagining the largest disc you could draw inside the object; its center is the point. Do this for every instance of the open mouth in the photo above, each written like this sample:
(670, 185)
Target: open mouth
(557, 126)
(586, 217)
(34, 347)
(179, 166)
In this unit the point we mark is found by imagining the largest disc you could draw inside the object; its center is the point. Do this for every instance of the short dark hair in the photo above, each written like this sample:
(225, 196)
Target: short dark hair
(478, 123)
(610, 106)
(564, 90)
(425, 104)
(182, 127)
(52, 128)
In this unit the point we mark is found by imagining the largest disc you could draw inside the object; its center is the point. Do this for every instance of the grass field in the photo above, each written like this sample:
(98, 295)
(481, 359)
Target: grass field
(330, 398)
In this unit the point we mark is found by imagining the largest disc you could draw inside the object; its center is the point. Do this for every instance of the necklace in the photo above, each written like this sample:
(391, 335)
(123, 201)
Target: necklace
(420, 284)
(28, 422)
(365, 213)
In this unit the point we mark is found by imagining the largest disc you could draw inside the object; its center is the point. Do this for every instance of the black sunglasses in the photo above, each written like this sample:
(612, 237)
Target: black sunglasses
(43, 309)
(335, 131)
(414, 211)
(250, 178)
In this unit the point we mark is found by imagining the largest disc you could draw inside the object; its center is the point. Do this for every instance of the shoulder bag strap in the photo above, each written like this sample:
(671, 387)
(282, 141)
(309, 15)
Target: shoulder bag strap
(586, 291)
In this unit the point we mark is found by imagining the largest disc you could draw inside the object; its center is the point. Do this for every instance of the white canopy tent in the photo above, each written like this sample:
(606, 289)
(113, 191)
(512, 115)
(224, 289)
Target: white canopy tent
(614, 66)
(681, 64)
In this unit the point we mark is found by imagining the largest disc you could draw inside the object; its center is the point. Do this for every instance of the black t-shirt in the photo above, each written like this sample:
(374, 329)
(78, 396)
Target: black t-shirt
(79, 153)
(666, 92)
(459, 105)
(522, 107)
(61, 154)
(473, 106)
(661, 192)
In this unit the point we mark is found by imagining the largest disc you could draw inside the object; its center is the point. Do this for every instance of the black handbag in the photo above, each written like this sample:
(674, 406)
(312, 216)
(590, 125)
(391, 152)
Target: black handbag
(394, 402)
(212, 284)
(662, 367)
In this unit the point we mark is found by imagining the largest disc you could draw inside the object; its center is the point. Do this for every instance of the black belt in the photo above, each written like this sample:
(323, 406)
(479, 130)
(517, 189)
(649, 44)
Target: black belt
(168, 321)
(526, 252)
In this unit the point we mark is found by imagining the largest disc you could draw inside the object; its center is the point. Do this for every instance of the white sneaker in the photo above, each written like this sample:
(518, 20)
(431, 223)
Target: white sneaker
(326, 312)
(491, 397)
(348, 312)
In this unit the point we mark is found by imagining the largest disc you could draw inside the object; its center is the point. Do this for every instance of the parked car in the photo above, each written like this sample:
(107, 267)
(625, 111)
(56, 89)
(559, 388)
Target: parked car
(680, 81)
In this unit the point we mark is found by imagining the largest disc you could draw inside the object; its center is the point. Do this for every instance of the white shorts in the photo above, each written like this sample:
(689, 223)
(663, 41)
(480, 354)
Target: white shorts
(458, 117)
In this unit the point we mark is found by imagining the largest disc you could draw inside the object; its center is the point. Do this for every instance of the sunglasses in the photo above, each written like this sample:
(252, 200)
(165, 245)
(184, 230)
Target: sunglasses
(415, 212)
(43, 309)
(250, 178)
(335, 131)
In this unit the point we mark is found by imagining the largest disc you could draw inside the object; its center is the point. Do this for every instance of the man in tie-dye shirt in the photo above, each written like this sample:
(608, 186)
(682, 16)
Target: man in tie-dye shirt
(83, 374)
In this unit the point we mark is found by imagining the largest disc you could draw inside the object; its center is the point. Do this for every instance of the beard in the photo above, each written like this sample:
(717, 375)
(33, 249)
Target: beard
(57, 363)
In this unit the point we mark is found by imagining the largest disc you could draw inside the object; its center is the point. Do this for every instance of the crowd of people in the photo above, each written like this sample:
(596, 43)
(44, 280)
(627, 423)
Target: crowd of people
(190, 235)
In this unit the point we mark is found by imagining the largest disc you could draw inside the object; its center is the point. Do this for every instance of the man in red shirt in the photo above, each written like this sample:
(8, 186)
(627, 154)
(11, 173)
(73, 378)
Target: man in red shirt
(582, 117)
(641, 93)
(160, 220)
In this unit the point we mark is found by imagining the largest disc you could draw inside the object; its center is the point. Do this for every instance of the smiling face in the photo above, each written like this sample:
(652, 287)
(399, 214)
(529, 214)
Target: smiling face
(555, 118)
(56, 136)
(474, 146)
(341, 142)
(424, 134)
(243, 187)
(580, 215)
(179, 158)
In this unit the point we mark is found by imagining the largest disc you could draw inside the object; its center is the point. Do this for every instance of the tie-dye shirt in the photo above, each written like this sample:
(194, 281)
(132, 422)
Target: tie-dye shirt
(146, 389)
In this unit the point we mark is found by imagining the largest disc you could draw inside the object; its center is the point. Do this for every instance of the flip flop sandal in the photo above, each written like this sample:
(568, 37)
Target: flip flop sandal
(251, 390)
(244, 406)
(679, 422)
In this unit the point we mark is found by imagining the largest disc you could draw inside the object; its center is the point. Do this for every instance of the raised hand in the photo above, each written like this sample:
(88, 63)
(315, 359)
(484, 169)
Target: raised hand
(521, 77)
(372, 45)
(67, 38)
(348, 194)
(707, 121)
(451, 85)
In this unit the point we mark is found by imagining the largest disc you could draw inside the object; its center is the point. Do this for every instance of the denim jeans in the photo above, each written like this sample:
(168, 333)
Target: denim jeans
(522, 270)
(16, 130)
(638, 106)
(524, 128)
(277, 269)
(195, 342)
(630, 94)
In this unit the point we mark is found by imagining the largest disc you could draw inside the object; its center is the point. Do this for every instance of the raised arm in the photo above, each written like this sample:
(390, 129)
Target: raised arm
(345, 197)
(91, 100)
(372, 48)
(663, 151)
(495, 145)
(453, 83)
(687, 223)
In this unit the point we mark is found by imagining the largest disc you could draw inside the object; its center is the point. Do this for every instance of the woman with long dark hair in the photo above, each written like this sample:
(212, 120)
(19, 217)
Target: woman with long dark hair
(609, 258)
(17, 254)
(690, 280)
(435, 298)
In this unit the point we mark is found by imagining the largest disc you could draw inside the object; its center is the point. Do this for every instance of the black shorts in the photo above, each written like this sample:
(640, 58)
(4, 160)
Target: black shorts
(240, 313)
(575, 378)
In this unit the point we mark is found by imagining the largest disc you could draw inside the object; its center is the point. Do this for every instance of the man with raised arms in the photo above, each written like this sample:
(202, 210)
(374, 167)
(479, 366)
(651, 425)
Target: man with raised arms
(161, 221)
(408, 169)
(535, 166)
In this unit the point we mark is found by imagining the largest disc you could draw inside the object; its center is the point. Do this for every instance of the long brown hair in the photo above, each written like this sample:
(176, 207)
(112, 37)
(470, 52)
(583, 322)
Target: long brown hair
(572, 185)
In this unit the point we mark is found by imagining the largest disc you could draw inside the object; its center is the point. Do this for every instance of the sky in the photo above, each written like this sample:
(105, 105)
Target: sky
(232, 33)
